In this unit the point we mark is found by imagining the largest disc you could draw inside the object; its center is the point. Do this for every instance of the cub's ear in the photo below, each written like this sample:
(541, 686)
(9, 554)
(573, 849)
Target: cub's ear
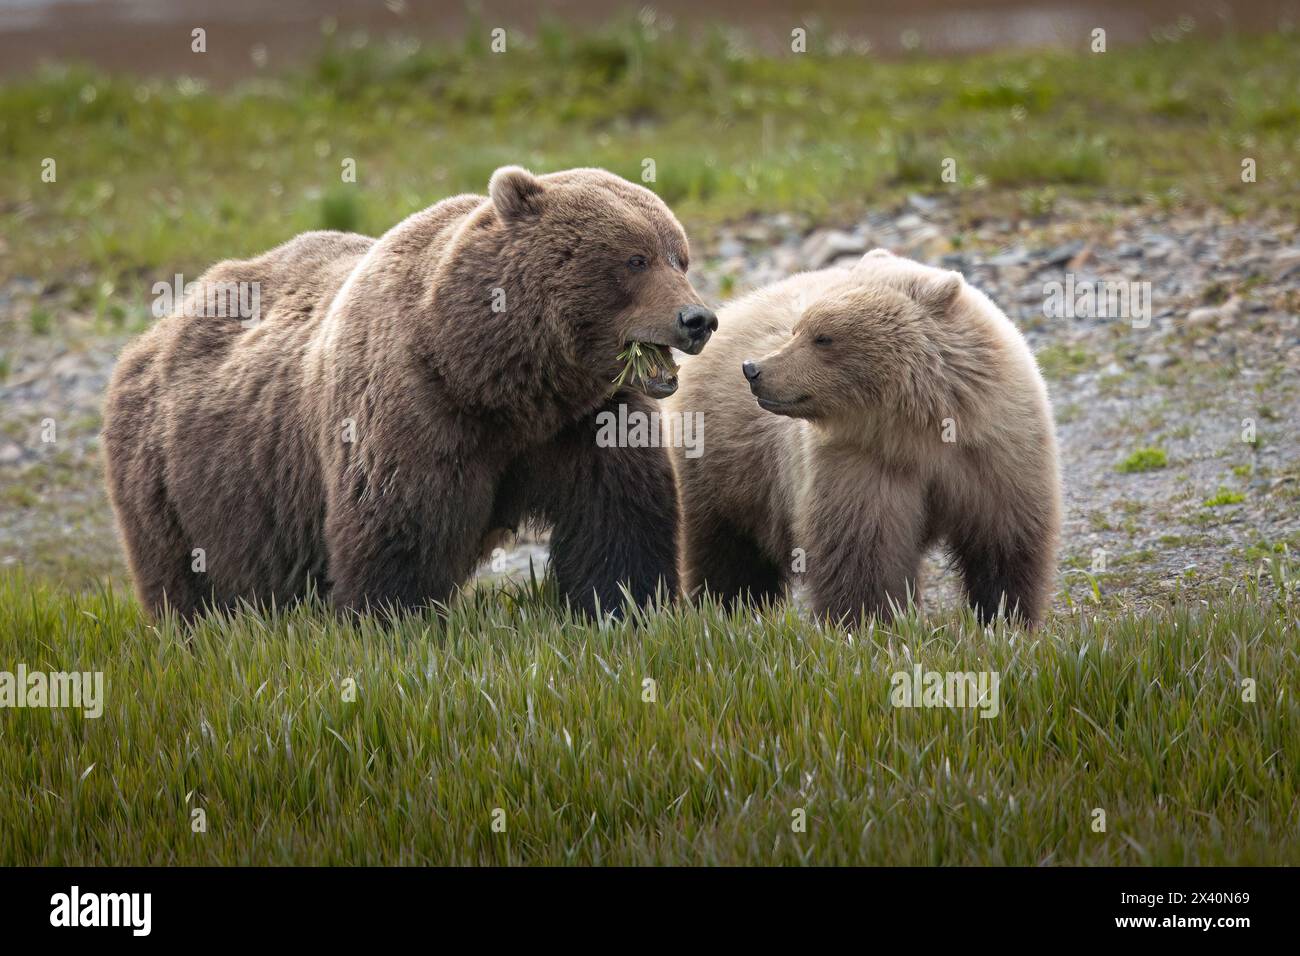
(935, 290)
(516, 193)
(877, 254)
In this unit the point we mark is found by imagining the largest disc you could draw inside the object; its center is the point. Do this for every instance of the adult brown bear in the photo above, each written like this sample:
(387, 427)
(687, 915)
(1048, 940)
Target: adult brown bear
(401, 400)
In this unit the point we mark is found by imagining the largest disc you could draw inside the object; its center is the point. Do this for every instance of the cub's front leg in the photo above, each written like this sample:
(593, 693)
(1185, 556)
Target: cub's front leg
(863, 532)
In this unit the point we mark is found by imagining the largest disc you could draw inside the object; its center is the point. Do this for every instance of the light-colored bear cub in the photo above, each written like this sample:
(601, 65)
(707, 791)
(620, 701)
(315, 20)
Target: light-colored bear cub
(854, 418)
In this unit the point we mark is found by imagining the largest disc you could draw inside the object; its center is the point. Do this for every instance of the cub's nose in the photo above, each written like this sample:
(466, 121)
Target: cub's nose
(751, 370)
(697, 323)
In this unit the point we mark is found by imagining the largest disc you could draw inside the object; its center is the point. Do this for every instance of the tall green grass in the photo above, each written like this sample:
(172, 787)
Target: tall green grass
(506, 703)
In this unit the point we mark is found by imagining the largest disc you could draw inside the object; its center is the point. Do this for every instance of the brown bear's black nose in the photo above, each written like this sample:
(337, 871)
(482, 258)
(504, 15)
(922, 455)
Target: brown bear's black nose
(751, 370)
(697, 321)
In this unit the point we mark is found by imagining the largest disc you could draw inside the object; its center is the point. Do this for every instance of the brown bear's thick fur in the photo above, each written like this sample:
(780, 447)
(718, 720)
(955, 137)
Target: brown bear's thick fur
(403, 399)
(889, 407)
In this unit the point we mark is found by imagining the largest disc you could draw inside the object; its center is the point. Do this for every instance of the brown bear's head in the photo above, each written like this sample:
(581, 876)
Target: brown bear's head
(861, 348)
(603, 263)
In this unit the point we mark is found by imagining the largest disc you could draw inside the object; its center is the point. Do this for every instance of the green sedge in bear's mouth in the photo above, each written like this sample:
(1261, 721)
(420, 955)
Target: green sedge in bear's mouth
(648, 367)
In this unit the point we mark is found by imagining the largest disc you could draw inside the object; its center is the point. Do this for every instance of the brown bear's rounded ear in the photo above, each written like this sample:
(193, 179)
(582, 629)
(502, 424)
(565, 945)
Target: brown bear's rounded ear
(937, 290)
(515, 192)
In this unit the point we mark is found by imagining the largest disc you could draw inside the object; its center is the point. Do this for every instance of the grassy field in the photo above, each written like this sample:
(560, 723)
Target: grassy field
(166, 175)
(508, 704)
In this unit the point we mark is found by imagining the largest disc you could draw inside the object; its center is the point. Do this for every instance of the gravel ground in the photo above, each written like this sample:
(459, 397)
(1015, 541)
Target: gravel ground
(1221, 351)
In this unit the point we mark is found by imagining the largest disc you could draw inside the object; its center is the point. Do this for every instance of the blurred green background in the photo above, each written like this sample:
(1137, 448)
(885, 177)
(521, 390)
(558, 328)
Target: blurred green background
(175, 172)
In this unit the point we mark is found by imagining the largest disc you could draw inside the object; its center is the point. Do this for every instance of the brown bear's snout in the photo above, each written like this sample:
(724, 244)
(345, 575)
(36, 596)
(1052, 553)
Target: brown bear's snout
(696, 323)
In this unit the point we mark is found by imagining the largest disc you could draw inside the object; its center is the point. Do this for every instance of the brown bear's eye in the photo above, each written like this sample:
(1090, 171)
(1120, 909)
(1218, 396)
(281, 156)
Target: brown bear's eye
(636, 263)
(822, 340)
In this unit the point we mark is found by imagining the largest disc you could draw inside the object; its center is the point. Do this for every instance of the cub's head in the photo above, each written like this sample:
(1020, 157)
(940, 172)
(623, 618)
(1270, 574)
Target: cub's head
(608, 261)
(863, 347)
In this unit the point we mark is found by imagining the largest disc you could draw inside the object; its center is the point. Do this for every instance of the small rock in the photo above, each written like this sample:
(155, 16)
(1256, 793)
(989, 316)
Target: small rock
(1286, 262)
(926, 244)
(1157, 360)
(786, 260)
(1159, 248)
(822, 248)
(782, 222)
(922, 203)
(1061, 254)
(1015, 256)
(736, 266)
(731, 248)
(1214, 315)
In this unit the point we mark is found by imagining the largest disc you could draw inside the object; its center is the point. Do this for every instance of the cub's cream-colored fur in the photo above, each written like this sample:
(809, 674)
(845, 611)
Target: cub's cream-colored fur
(887, 407)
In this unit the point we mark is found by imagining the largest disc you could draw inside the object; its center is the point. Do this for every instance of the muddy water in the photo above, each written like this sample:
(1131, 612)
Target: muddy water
(245, 36)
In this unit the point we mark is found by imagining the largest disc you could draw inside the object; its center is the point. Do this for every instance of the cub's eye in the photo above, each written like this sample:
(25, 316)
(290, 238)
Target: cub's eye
(636, 263)
(822, 340)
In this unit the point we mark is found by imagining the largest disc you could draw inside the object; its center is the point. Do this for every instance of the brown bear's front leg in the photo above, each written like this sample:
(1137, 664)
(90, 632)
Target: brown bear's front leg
(864, 530)
(405, 545)
(612, 511)
(722, 562)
